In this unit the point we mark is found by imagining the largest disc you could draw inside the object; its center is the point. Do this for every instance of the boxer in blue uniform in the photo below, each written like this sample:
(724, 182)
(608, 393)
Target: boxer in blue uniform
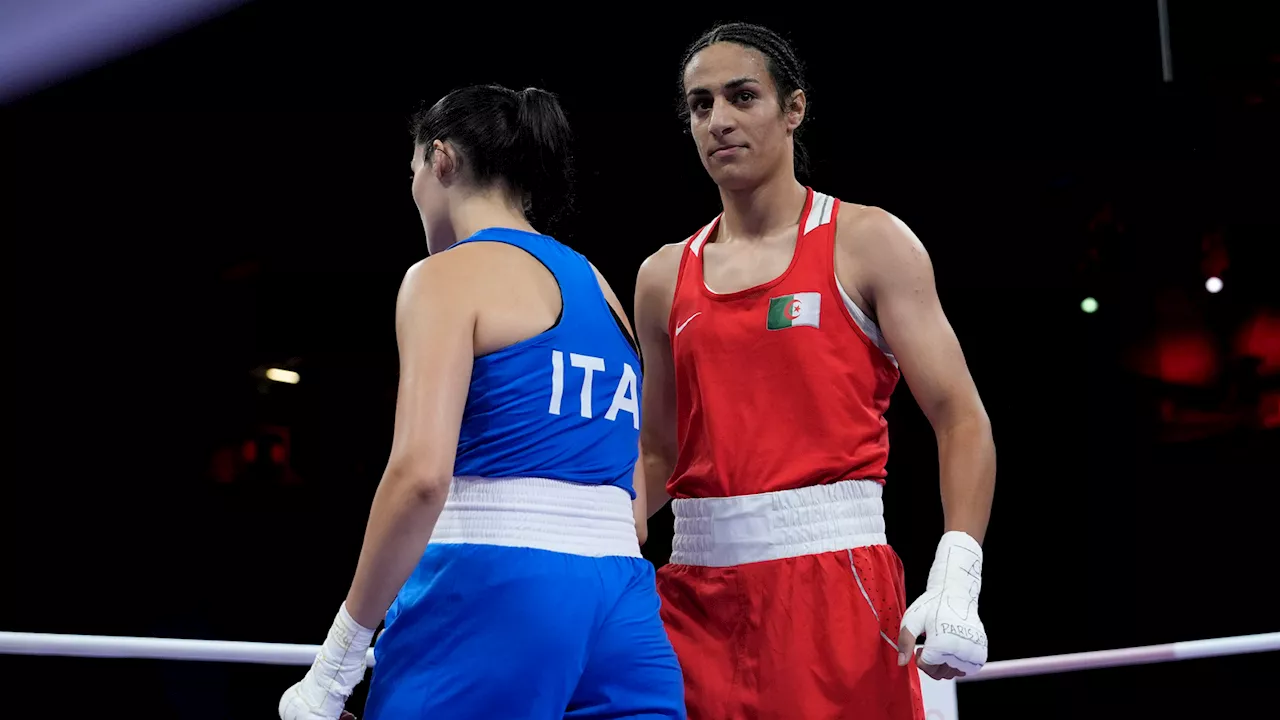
(503, 544)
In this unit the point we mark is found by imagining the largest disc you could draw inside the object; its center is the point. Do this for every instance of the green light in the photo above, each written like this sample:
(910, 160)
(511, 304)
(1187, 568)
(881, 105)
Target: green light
(1089, 305)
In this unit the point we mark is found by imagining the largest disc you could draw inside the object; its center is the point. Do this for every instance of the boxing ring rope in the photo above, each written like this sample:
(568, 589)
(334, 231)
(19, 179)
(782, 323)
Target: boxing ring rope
(142, 648)
(1188, 650)
(160, 648)
(110, 646)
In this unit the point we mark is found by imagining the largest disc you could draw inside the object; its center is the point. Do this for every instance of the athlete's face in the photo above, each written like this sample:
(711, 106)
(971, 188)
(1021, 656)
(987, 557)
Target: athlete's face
(430, 196)
(742, 134)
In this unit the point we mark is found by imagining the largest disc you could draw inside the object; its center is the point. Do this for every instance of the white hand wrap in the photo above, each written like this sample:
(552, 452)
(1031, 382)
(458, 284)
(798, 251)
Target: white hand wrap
(947, 612)
(338, 668)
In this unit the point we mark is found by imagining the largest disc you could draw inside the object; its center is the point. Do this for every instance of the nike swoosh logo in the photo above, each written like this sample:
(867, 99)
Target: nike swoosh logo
(686, 322)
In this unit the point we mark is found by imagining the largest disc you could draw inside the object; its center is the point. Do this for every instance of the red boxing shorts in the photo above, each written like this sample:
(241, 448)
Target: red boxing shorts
(787, 605)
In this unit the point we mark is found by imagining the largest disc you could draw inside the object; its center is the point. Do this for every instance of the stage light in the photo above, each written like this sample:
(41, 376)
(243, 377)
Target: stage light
(283, 376)
(1089, 305)
(1213, 284)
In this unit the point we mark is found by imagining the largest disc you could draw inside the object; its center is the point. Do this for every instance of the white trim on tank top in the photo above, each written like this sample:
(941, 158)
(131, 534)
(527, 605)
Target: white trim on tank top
(866, 324)
(819, 215)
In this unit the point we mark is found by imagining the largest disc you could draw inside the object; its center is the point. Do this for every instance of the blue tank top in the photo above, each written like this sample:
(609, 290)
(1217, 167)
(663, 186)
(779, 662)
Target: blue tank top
(563, 404)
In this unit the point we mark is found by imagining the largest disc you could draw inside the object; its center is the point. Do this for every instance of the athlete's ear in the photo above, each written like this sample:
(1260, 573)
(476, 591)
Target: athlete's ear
(444, 162)
(795, 110)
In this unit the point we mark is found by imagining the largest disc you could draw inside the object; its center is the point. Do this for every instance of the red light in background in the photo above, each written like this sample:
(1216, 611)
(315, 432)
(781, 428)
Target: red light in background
(223, 467)
(1260, 338)
(1187, 360)
(1269, 410)
(278, 454)
(249, 451)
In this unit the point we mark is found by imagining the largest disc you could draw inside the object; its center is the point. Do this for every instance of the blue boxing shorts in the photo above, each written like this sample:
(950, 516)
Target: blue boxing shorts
(532, 601)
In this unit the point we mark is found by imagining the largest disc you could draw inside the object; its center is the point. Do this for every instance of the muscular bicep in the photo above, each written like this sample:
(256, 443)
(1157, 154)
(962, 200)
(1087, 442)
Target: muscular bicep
(436, 355)
(658, 398)
(911, 317)
(657, 402)
(655, 286)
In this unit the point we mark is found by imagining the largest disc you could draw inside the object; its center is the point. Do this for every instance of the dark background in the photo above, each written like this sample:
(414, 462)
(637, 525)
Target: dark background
(237, 198)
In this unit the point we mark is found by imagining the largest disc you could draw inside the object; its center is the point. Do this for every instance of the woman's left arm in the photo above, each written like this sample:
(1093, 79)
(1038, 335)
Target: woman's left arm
(897, 279)
(435, 330)
(435, 334)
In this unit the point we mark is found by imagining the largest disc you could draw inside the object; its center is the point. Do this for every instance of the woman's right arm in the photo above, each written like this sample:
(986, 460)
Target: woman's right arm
(655, 288)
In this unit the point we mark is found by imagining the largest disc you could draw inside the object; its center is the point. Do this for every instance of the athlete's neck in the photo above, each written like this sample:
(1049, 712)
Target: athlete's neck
(758, 212)
(472, 213)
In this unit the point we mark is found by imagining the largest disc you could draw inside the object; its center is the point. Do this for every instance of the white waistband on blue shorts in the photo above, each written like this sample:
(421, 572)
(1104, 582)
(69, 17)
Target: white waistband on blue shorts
(726, 531)
(554, 515)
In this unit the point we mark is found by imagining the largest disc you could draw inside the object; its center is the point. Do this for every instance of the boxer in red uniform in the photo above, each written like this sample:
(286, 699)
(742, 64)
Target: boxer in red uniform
(773, 339)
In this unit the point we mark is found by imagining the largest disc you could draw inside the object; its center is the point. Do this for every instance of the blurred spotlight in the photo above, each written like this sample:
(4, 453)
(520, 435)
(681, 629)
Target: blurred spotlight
(1213, 284)
(283, 376)
(1089, 305)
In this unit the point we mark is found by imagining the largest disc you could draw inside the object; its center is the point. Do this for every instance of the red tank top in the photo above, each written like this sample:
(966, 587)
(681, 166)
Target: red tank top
(779, 386)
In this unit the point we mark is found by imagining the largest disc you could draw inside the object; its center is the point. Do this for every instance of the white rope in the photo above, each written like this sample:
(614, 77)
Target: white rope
(1191, 650)
(108, 646)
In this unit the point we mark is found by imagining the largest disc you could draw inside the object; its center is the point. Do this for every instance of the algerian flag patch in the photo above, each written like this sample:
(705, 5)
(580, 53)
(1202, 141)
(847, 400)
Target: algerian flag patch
(800, 309)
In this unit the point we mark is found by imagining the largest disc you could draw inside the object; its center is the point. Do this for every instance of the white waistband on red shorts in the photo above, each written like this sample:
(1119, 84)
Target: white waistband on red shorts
(726, 531)
(554, 515)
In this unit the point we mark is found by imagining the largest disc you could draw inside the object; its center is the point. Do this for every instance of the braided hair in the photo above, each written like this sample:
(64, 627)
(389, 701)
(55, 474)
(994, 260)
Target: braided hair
(784, 68)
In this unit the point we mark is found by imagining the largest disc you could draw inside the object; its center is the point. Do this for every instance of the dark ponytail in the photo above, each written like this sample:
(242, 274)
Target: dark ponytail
(520, 140)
